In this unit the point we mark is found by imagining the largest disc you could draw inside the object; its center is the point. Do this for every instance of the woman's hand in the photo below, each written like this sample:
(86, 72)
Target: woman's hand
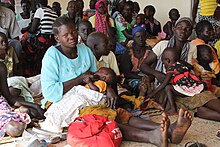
(160, 76)
(111, 98)
(86, 76)
(87, 80)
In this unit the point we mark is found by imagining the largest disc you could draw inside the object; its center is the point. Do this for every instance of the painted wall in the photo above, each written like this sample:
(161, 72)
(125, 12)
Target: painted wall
(162, 7)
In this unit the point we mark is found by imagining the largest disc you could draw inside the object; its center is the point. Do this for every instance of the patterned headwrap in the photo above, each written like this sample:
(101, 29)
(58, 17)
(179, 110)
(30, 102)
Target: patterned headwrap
(100, 20)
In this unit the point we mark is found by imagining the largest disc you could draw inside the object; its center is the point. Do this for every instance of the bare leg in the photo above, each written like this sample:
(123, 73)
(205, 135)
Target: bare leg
(158, 136)
(140, 123)
(179, 128)
(213, 104)
(169, 91)
(207, 113)
(4, 85)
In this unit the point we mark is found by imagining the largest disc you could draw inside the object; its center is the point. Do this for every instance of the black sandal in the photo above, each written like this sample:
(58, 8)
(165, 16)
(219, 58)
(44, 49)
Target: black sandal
(194, 144)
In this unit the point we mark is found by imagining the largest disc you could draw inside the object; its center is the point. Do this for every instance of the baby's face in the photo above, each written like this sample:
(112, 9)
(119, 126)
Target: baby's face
(104, 75)
(206, 55)
(140, 19)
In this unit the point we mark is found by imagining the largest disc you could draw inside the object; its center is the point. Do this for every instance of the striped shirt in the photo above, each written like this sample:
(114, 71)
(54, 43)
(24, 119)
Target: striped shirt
(207, 7)
(47, 18)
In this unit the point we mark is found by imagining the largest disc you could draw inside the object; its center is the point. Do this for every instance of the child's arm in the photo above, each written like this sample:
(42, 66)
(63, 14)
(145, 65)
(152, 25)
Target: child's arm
(162, 86)
(90, 83)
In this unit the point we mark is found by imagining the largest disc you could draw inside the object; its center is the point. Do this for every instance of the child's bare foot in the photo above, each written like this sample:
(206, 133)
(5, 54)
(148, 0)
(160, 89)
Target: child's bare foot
(180, 127)
(165, 123)
(161, 133)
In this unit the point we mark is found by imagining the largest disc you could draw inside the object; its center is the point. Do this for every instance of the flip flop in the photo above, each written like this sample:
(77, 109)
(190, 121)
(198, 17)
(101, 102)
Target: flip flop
(218, 134)
(194, 144)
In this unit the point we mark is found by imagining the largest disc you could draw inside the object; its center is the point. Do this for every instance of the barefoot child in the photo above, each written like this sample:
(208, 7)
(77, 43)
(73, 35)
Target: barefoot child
(184, 83)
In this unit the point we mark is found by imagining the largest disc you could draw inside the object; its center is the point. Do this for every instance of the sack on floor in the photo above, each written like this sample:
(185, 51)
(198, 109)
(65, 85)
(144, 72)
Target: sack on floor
(94, 130)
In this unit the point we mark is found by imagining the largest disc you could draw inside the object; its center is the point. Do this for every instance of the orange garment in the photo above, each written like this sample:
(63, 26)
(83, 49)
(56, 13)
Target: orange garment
(136, 101)
(120, 115)
(137, 62)
(100, 84)
(198, 41)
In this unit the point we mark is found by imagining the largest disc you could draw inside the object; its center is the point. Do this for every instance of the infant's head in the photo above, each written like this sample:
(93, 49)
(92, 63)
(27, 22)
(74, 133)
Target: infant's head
(107, 75)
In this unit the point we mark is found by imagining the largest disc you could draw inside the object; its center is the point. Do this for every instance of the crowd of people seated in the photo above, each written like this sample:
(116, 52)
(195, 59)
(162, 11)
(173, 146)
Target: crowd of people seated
(108, 61)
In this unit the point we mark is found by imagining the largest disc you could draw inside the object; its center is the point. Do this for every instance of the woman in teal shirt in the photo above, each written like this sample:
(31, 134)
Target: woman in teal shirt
(65, 65)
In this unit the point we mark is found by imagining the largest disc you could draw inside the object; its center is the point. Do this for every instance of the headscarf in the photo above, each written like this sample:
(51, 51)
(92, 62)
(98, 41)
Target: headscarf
(138, 28)
(184, 53)
(184, 19)
(100, 20)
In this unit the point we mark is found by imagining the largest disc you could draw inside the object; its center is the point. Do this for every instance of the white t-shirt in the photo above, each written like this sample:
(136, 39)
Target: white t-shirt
(47, 18)
(160, 47)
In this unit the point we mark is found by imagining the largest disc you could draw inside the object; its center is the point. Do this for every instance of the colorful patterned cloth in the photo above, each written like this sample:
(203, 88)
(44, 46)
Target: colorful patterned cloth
(184, 81)
(7, 114)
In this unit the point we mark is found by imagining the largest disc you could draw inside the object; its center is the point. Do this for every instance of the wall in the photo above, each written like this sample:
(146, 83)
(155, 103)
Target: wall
(162, 7)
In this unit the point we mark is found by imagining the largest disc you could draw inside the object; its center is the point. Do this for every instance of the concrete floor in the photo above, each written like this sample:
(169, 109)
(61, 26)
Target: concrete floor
(201, 130)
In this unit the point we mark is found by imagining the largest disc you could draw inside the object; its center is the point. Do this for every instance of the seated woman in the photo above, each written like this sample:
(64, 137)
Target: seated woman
(207, 106)
(101, 21)
(61, 87)
(36, 46)
(132, 59)
(24, 18)
(124, 22)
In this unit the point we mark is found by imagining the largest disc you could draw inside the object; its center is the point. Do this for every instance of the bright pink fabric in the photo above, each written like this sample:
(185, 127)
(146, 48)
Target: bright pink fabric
(100, 20)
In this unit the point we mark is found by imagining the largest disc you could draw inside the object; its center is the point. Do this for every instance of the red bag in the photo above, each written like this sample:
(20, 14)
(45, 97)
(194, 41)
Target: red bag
(94, 131)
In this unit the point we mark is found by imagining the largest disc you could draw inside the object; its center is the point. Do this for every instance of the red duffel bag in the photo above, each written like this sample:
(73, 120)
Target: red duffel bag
(94, 131)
